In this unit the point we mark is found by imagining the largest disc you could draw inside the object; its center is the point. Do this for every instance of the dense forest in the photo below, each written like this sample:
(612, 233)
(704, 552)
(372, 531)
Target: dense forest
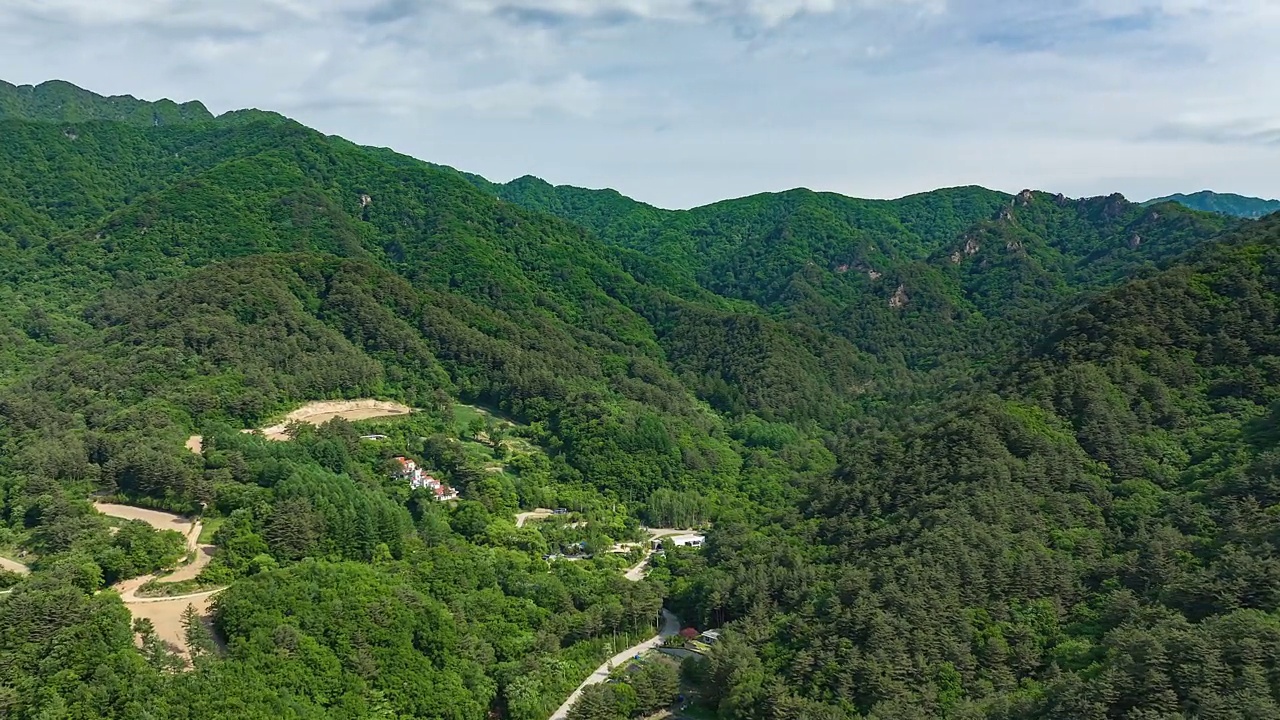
(961, 454)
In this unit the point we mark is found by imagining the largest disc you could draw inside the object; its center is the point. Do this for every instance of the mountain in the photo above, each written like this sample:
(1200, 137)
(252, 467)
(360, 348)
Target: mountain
(910, 278)
(960, 454)
(1223, 203)
(57, 101)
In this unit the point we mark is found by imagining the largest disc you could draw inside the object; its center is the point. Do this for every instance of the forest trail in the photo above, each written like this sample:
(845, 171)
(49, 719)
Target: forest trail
(320, 412)
(165, 613)
(670, 626)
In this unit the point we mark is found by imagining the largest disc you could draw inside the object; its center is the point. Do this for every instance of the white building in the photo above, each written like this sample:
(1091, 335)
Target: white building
(688, 540)
(419, 479)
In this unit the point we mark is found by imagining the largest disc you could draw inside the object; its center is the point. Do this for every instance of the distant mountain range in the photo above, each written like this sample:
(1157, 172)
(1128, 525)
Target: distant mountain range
(1223, 203)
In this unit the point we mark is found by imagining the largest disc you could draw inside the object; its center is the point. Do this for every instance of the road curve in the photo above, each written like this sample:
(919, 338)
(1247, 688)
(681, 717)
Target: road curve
(535, 514)
(670, 626)
(637, 572)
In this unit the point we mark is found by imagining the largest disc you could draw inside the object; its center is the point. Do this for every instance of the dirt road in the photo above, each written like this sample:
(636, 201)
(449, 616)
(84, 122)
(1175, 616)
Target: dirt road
(535, 514)
(165, 613)
(670, 626)
(14, 566)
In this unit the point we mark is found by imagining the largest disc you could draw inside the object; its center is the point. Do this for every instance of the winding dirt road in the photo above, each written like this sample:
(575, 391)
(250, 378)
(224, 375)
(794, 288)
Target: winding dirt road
(165, 613)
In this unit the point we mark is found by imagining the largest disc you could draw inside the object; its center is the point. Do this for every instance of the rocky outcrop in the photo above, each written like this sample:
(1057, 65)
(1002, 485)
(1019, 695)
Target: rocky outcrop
(1013, 246)
(956, 257)
(1006, 214)
(1024, 198)
(365, 201)
(1134, 241)
(899, 299)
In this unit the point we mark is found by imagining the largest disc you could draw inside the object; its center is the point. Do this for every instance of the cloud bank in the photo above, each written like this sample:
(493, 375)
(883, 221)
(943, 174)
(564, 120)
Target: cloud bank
(682, 102)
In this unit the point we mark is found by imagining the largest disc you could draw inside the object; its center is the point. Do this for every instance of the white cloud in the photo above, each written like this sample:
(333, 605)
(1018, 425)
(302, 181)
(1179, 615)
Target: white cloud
(686, 101)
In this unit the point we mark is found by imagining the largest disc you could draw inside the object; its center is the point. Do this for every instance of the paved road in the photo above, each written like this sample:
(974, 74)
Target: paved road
(670, 626)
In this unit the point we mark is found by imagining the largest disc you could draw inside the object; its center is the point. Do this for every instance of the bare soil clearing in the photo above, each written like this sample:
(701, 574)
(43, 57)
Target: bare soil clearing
(195, 444)
(14, 566)
(167, 618)
(321, 412)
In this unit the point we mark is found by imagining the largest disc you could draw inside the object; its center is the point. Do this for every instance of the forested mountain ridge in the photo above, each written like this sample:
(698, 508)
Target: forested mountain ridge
(1095, 541)
(964, 454)
(58, 101)
(1223, 203)
(914, 274)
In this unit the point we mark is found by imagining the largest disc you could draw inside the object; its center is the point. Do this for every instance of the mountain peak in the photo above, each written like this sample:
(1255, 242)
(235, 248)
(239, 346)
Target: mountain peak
(1222, 203)
(61, 101)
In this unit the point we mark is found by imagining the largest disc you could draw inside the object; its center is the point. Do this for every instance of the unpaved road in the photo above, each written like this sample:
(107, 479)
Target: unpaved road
(321, 412)
(670, 626)
(165, 613)
(14, 566)
(535, 514)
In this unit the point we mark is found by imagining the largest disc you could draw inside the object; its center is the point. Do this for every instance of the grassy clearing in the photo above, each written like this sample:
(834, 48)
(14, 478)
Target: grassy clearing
(208, 528)
(159, 588)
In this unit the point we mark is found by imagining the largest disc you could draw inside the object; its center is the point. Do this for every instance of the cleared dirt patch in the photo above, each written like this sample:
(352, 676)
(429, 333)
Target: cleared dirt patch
(536, 514)
(195, 444)
(166, 616)
(157, 519)
(14, 566)
(321, 412)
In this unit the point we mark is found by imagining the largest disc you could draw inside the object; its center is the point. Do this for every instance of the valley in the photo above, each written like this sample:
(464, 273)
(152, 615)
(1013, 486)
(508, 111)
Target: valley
(962, 454)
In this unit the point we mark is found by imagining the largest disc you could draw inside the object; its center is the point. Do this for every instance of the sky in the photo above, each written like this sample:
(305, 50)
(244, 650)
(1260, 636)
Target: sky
(684, 102)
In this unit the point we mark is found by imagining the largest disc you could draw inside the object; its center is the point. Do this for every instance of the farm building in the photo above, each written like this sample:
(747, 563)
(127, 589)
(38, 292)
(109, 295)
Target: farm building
(690, 540)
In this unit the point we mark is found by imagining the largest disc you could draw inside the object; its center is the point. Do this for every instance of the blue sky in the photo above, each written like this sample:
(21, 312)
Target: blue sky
(683, 102)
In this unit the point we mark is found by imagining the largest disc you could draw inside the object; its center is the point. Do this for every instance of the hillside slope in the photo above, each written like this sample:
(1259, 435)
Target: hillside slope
(1090, 542)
